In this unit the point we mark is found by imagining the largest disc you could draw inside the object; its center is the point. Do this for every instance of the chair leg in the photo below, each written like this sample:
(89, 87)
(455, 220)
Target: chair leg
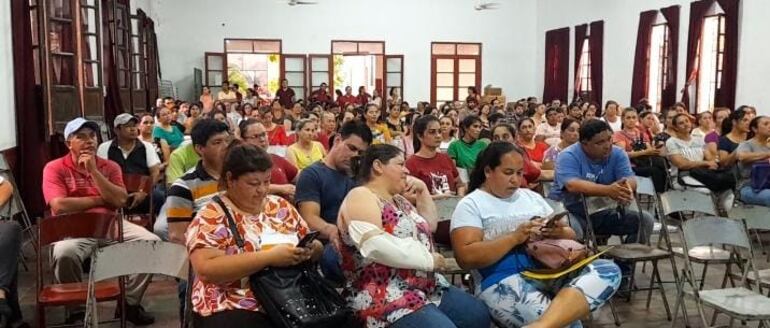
(614, 313)
(631, 282)
(656, 271)
(679, 301)
(652, 282)
(703, 275)
(40, 316)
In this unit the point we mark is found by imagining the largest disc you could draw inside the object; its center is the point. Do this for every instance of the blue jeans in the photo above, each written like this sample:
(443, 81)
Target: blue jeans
(330, 265)
(762, 197)
(458, 309)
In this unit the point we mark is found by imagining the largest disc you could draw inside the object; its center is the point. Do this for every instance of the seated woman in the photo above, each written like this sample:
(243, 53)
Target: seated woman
(10, 246)
(549, 132)
(705, 123)
(689, 156)
(734, 131)
(532, 174)
(755, 149)
(526, 140)
(306, 150)
(645, 158)
(270, 227)
(434, 168)
(388, 255)
(373, 118)
(712, 138)
(490, 228)
(570, 134)
(465, 150)
(166, 131)
(447, 132)
(276, 134)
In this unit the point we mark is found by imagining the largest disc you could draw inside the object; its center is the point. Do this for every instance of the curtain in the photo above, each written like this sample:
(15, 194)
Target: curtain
(640, 78)
(596, 43)
(113, 105)
(697, 11)
(556, 80)
(725, 96)
(668, 96)
(580, 34)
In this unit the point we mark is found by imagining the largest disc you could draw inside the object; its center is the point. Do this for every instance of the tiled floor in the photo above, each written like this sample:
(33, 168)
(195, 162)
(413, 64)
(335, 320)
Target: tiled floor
(161, 300)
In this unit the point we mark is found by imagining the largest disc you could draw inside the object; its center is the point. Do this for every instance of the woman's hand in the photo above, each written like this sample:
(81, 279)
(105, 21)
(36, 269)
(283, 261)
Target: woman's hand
(284, 255)
(527, 229)
(316, 250)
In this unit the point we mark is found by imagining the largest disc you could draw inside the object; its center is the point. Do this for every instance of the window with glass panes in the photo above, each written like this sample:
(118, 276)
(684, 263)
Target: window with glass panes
(454, 67)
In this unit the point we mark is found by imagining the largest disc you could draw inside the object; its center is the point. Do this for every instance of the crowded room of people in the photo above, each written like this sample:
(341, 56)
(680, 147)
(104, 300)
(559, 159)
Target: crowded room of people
(374, 164)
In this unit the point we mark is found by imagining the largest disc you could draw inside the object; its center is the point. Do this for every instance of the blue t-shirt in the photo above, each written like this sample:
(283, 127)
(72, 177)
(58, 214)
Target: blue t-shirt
(497, 217)
(325, 186)
(573, 163)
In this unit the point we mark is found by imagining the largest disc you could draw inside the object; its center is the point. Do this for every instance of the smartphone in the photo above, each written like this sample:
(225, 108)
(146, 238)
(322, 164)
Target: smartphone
(308, 239)
(551, 220)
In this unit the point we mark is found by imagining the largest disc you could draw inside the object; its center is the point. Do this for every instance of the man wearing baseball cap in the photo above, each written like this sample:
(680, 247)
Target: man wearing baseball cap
(134, 156)
(80, 182)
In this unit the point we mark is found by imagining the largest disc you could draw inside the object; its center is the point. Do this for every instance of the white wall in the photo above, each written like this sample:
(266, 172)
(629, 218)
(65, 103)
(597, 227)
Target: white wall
(621, 21)
(187, 29)
(7, 103)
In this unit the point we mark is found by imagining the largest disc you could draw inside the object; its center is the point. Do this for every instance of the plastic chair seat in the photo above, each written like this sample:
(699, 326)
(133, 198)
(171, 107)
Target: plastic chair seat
(75, 293)
(637, 252)
(703, 254)
(764, 277)
(740, 303)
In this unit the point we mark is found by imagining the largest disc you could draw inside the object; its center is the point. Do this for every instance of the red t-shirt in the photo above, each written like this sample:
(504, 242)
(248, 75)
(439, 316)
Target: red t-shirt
(439, 173)
(363, 99)
(531, 173)
(320, 96)
(536, 154)
(345, 100)
(277, 137)
(61, 178)
(285, 97)
(282, 172)
(323, 138)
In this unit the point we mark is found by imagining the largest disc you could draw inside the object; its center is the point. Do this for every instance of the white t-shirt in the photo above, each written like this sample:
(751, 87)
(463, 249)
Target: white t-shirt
(617, 125)
(498, 216)
(149, 149)
(692, 150)
(552, 134)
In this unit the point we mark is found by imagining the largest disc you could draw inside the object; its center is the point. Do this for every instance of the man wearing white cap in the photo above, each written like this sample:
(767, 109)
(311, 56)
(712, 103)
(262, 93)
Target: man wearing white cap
(134, 156)
(80, 182)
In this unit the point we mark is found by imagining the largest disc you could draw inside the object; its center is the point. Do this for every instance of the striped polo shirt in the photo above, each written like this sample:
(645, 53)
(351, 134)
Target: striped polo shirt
(189, 194)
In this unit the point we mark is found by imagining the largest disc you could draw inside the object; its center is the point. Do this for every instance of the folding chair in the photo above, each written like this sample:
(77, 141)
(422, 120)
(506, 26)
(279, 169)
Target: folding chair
(445, 209)
(739, 303)
(678, 202)
(632, 253)
(140, 183)
(15, 206)
(107, 227)
(130, 258)
(756, 219)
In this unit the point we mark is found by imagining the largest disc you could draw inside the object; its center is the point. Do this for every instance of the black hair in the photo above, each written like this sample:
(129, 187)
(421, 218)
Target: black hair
(205, 129)
(356, 128)
(245, 124)
(550, 110)
(490, 158)
(419, 128)
(301, 124)
(754, 125)
(591, 128)
(363, 166)
(521, 121)
(243, 158)
(737, 115)
(467, 122)
(495, 117)
(623, 115)
(677, 116)
(566, 122)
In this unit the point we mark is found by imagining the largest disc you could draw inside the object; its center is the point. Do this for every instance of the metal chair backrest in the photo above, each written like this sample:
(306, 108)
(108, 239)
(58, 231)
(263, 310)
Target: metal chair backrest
(446, 207)
(678, 201)
(135, 257)
(756, 216)
(557, 206)
(79, 225)
(644, 186)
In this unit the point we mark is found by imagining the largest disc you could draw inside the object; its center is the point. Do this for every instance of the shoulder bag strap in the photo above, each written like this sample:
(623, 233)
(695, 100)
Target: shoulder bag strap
(230, 222)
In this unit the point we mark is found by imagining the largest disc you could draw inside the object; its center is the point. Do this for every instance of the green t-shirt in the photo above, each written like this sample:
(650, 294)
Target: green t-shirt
(465, 154)
(181, 160)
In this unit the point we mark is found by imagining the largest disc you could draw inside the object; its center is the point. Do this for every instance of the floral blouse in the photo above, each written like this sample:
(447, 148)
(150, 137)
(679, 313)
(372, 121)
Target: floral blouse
(278, 223)
(379, 294)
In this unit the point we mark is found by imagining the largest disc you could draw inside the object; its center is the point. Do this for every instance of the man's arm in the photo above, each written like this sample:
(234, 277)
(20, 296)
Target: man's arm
(55, 194)
(6, 191)
(112, 192)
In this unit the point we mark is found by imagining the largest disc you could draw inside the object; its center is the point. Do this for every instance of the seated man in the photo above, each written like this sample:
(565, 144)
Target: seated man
(134, 156)
(10, 246)
(81, 182)
(594, 167)
(322, 186)
(190, 192)
(283, 174)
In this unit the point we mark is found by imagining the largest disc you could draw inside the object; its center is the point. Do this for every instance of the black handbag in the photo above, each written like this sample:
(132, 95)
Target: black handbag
(715, 180)
(296, 296)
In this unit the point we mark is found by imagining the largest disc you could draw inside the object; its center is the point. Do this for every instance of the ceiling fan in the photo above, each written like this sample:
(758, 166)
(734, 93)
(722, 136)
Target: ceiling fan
(300, 2)
(487, 6)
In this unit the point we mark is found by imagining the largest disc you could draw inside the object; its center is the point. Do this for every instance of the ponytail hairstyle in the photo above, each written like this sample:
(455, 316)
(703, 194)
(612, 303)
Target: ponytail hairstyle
(467, 122)
(735, 116)
(753, 126)
(490, 158)
(362, 166)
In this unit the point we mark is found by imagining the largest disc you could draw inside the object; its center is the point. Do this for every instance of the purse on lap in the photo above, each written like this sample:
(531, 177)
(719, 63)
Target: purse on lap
(296, 296)
(760, 176)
